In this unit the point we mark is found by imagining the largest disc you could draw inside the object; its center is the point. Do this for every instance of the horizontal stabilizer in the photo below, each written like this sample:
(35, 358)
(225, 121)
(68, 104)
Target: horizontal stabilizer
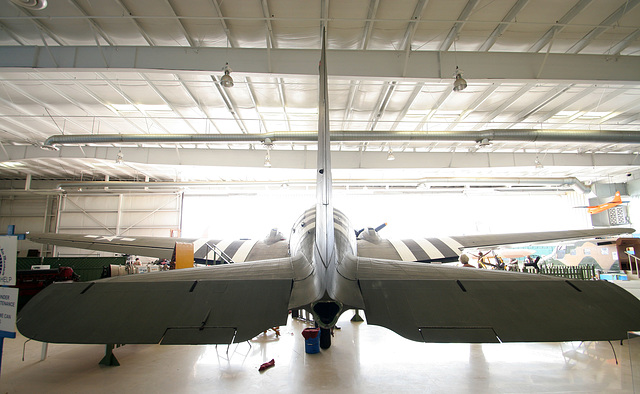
(452, 304)
(191, 306)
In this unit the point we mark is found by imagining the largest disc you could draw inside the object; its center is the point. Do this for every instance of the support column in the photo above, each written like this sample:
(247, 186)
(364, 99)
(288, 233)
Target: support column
(109, 358)
(43, 352)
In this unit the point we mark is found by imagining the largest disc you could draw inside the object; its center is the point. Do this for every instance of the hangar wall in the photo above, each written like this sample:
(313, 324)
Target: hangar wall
(45, 209)
(29, 213)
(125, 214)
(147, 213)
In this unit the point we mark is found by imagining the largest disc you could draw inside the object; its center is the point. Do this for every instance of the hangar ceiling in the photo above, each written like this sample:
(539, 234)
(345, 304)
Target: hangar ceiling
(83, 67)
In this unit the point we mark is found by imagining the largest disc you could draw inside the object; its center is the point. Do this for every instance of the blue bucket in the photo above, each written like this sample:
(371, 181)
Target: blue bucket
(312, 345)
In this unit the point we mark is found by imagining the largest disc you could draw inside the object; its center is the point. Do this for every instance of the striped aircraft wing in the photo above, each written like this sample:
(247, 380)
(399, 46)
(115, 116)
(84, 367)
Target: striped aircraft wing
(447, 249)
(162, 247)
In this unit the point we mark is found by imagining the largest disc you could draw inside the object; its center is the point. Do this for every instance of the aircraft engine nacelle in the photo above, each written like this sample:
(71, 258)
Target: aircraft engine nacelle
(273, 237)
(370, 234)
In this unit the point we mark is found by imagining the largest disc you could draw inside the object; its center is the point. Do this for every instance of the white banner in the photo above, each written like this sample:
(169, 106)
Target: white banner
(8, 308)
(8, 253)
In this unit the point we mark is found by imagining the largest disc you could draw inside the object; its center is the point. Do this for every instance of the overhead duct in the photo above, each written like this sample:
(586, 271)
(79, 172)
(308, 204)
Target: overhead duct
(571, 182)
(522, 135)
(119, 185)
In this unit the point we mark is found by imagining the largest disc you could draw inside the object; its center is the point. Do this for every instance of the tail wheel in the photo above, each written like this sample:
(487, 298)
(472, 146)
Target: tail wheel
(325, 338)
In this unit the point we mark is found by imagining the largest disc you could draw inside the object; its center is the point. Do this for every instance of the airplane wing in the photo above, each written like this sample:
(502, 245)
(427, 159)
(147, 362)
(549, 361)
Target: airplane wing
(434, 303)
(447, 249)
(221, 304)
(163, 247)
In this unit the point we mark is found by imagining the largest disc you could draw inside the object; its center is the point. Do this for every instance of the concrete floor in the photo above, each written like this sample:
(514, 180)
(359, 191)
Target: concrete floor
(363, 358)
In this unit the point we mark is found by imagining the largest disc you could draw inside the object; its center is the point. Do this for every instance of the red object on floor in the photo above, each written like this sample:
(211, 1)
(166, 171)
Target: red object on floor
(310, 332)
(267, 365)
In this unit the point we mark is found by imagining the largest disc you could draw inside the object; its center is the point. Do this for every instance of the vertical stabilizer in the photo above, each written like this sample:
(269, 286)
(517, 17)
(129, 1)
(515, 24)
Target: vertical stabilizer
(324, 207)
(617, 198)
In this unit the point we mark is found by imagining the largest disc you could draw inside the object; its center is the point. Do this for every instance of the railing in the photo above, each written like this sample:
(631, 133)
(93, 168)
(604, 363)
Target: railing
(586, 272)
(635, 259)
(217, 252)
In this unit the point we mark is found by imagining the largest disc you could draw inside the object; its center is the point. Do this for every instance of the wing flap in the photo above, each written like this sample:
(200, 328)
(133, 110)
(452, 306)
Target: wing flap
(447, 304)
(168, 310)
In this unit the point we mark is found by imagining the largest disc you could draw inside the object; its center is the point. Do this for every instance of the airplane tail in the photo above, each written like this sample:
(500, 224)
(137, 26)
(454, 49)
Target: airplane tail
(324, 206)
(617, 198)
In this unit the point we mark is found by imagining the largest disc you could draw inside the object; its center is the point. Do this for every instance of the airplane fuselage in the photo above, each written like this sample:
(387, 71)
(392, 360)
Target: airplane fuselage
(335, 290)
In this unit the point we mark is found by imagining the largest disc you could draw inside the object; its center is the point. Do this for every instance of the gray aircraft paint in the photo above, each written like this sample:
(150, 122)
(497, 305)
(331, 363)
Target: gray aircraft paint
(422, 302)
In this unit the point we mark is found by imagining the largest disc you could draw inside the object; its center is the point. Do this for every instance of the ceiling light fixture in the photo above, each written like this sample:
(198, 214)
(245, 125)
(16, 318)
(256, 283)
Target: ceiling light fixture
(226, 79)
(267, 158)
(460, 83)
(31, 4)
(390, 155)
(538, 163)
(120, 157)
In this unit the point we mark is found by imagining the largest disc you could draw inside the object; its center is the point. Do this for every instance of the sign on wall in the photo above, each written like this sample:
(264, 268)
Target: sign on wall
(8, 253)
(8, 309)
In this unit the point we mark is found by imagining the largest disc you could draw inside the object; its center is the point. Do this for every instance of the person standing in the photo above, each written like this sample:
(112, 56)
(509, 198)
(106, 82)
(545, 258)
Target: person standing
(464, 259)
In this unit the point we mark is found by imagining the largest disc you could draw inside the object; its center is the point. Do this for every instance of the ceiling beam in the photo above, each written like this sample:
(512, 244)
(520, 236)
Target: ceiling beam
(93, 23)
(20, 127)
(353, 89)
(99, 100)
(368, 26)
(506, 104)
(324, 16)
(414, 94)
(540, 103)
(181, 25)
(387, 65)
(271, 41)
(455, 30)
(604, 26)
(167, 101)
(624, 43)
(49, 109)
(405, 44)
(443, 97)
(232, 42)
(481, 99)
(197, 102)
(381, 105)
(136, 22)
(229, 104)
(254, 101)
(39, 25)
(11, 34)
(129, 100)
(566, 18)
(502, 26)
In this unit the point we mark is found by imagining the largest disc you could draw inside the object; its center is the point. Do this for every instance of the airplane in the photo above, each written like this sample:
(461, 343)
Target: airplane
(607, 205)
(326, 270)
